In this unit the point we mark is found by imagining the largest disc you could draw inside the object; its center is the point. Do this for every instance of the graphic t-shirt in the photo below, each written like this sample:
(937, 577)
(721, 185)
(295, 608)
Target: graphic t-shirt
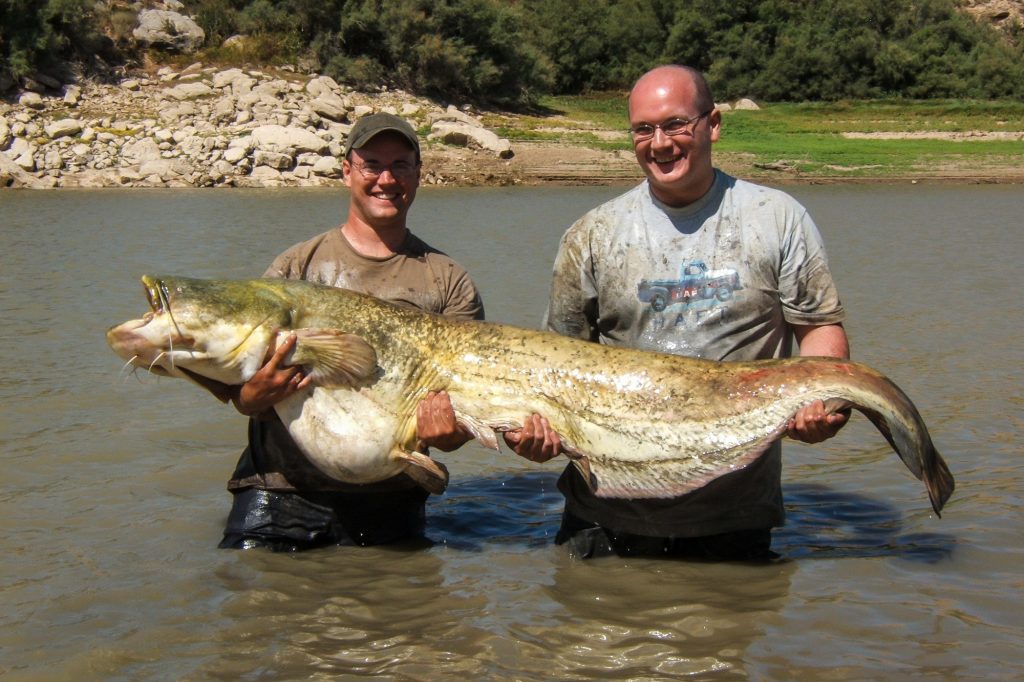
(722, 279)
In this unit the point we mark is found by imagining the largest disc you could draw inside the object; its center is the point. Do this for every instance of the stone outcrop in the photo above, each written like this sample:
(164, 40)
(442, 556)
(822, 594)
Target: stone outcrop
(168, 31)
(208, 127)
(457, 128)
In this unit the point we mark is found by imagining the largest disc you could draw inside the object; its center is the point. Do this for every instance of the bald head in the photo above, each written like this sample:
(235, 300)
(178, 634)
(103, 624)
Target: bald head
(677, 162)
(673, 80)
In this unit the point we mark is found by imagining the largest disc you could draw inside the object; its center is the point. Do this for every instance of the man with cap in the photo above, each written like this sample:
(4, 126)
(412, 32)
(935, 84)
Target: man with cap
(280, 500)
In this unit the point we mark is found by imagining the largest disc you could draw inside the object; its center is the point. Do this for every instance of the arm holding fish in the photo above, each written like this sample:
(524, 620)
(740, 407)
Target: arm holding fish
(436, 425)
(536, 441)
(271, 384)
(811, 424)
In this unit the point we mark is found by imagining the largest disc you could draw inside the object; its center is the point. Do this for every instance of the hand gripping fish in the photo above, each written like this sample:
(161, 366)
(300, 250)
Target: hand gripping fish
(637, 424)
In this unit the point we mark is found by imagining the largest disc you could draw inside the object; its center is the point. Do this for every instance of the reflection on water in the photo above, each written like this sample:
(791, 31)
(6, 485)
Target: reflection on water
(822, 523)
(113, 499)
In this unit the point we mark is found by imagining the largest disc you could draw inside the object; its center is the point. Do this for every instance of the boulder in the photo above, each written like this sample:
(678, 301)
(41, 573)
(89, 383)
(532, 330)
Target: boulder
(63, 128)
(287, 140)
(265, 175)
(166, 169)
(474, 137)
(187, 91)
(13, 175)
(72, 95)
(224, 79)
(140, 152)
(330, 106)
(272, 159)
(328, 167)
(168, 30)
(321, 85)
(31, 100)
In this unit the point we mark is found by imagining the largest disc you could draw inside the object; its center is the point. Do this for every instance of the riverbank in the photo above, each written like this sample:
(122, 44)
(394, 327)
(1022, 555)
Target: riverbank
(205, 126)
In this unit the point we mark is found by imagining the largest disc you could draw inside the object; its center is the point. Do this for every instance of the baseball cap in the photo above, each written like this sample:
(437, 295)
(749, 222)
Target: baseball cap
(372, 125)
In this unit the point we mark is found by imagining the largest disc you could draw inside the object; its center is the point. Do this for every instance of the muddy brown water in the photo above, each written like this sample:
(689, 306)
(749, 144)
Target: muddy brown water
(113, 492)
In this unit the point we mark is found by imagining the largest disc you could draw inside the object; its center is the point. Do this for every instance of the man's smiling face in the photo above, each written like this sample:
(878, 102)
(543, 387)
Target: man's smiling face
(678, 167)
(385, 199)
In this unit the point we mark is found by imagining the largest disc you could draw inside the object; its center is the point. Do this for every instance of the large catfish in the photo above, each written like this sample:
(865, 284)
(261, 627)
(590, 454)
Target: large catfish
(637, 424)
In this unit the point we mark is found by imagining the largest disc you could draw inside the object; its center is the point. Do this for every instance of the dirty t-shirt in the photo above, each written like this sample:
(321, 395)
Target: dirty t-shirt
(418, 276)
(723, 278)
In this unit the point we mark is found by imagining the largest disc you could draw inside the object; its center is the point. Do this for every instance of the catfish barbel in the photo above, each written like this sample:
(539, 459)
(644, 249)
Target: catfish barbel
(637, 424)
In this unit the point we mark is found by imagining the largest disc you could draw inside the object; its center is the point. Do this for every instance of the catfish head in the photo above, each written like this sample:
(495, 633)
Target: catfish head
(214, 332)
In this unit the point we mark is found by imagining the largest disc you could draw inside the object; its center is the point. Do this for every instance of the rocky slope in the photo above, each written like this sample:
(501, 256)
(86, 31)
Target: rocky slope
(206, 127)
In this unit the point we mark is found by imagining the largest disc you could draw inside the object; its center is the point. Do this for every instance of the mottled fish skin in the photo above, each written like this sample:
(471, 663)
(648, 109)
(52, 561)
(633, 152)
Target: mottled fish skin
(637, 424)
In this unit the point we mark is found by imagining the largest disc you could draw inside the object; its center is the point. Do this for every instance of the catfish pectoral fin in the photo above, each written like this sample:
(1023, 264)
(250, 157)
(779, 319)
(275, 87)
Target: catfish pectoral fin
(431, 475)
(481, 431)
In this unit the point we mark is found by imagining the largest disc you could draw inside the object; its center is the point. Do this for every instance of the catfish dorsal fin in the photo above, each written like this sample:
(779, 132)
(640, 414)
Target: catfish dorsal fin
(333, 358)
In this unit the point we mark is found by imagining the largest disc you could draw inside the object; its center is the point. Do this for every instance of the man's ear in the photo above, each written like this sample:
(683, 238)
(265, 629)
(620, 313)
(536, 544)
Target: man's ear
(346, 172)
(715, 124)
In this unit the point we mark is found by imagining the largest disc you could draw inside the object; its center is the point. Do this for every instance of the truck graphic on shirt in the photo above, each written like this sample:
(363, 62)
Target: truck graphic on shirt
(695, 282)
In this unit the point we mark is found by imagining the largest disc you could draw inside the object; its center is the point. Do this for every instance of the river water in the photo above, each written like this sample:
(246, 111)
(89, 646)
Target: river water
(113, 494)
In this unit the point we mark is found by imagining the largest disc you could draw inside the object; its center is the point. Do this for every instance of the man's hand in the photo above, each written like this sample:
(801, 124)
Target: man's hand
(274, 382)
(436, 426)
(812, 425)
(536, 441)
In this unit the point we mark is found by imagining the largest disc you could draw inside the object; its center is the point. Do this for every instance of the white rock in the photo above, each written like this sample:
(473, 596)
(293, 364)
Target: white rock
(159, 28)
(224, 79)
(52, 160)
(32, 100)
(164, 168)
(462, 135)
(13, 175)
(328, 166)
(72, 95)
(187, 91)
(63, 128)
(320, 85)
(330, 106)
(244, 141)
(287, 140)
(19, 146)
(27, 161)
(265, 173)
(140, 152)
(277, 160)
(235, 154)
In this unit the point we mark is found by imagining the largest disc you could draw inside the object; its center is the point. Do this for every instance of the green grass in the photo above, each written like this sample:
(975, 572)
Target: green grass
(807, 139)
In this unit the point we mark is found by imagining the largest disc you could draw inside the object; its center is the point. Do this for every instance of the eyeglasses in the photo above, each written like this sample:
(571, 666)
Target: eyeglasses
(673, 127)
(400, 170)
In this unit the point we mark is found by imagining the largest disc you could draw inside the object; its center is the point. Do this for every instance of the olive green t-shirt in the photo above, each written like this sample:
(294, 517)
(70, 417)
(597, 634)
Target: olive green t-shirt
(418, 276)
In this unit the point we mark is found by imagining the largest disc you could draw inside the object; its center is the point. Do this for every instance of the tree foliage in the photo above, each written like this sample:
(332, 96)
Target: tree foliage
(36, 35)
(509, 51)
